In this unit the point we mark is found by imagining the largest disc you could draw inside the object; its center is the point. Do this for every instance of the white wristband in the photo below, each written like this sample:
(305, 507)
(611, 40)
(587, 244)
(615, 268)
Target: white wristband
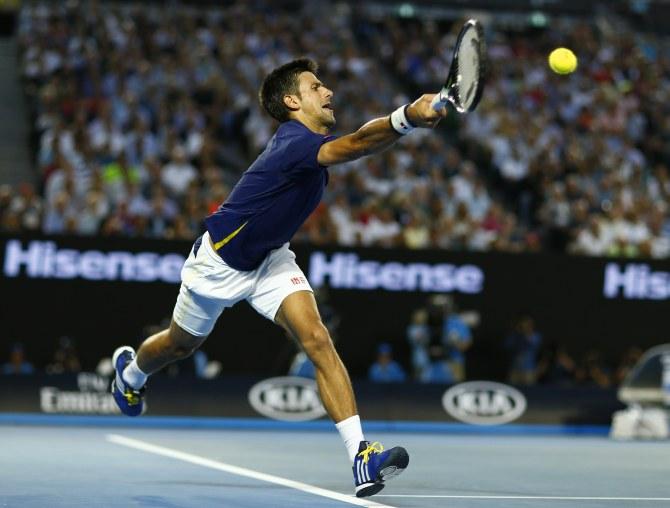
(399, 121)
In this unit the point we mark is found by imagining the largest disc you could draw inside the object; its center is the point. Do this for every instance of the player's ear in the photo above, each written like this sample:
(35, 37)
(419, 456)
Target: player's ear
(291, 102)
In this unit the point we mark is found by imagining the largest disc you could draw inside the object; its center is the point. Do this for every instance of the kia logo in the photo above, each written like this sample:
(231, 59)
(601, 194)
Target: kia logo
(287, 398)
(484, 403)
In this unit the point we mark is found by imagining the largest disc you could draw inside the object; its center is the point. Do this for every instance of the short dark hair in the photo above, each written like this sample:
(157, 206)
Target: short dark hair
(283, 81)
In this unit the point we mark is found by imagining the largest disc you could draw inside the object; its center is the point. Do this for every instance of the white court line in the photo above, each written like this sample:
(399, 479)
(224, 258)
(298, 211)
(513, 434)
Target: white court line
(532, 498)
(240, 471)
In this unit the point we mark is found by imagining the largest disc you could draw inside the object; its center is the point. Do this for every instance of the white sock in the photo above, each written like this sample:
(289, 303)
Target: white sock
(133, 376)
(352, 434)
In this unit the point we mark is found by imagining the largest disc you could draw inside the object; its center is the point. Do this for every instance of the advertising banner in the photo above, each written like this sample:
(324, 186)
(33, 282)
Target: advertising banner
(103, 292)
(294, 399)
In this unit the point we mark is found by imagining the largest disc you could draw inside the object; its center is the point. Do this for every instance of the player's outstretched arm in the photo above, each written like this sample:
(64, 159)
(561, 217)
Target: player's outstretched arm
(380, 133)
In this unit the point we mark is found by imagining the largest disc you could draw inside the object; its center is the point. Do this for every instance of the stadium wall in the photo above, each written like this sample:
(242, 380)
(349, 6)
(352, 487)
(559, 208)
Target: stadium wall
(103, 292)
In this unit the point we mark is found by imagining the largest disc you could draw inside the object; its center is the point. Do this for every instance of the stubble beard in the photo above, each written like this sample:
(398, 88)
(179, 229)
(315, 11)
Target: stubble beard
(329, 120)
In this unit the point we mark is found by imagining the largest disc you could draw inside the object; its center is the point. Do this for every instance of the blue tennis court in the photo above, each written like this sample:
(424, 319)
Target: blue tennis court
(48, 466)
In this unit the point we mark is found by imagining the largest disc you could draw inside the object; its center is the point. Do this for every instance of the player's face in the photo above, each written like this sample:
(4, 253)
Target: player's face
(315, 99)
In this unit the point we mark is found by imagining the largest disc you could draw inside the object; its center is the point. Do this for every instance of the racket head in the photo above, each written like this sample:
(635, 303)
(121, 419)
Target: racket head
(465, 82)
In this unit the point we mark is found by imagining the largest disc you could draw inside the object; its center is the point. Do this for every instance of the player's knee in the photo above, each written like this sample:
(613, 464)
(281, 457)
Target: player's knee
(316, 341)
(181, 351)
(183, 344)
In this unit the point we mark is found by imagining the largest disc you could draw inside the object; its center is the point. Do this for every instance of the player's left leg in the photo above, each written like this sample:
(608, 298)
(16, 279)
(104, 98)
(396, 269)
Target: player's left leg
(157, 351)
(372, 465)
(208, 286)
(166, 347)
(299, 316)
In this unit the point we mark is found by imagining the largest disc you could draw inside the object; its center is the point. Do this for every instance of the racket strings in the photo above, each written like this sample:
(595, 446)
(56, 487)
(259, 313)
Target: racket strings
(468, 70)
(465, 80)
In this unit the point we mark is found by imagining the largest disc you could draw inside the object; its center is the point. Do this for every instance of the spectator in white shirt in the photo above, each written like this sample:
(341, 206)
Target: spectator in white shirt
(590, 240)
(178, 173)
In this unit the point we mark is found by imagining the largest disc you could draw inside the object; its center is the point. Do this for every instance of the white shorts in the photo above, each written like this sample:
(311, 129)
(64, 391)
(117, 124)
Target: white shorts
(209, 285)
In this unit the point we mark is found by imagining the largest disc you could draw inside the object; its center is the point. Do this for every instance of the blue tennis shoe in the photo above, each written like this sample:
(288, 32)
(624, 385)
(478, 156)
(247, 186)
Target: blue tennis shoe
(373, 466)
(129, 400)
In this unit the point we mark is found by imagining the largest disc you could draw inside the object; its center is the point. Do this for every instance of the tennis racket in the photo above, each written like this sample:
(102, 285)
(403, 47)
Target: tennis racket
(465, 82)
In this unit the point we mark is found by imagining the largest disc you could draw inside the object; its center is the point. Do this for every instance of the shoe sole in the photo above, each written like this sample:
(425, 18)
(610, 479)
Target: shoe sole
(395, 464)
(369, 490)
(118, 352)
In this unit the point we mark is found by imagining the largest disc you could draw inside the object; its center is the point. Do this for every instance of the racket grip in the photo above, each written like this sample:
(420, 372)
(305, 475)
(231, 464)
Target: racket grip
(437, 103)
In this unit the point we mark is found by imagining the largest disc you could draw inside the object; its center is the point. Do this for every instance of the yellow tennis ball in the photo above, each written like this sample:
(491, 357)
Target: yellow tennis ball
(562, 61)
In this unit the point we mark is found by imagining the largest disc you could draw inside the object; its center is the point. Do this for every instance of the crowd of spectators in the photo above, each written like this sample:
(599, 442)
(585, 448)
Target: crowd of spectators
(440, 336)
(581, 160)
(145, 117)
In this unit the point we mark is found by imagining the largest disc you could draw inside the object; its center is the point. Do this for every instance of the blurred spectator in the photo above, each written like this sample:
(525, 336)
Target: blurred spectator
(178, 173)
(385, 369)
(418, 335)
(523, 343)
(95, 208)
(438, 369)
(27, 206)
(117, 177)
(456, 336)
(65, 358)
(439, 338)
(203, 367)
(590, 239)
(57, 214)
(593, 370)
(18, 363)
(556, 367)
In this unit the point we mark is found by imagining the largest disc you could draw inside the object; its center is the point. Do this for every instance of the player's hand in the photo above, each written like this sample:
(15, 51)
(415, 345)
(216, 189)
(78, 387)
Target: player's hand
(422, 114)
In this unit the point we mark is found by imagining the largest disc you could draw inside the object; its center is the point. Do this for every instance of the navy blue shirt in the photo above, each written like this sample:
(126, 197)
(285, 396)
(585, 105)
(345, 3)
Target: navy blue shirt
(272, 199)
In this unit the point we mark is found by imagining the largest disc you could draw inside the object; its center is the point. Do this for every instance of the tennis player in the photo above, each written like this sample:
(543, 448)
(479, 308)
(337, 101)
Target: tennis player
(245, 255)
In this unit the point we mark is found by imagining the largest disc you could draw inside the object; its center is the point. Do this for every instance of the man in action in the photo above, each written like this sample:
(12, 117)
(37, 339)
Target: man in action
(244, 255)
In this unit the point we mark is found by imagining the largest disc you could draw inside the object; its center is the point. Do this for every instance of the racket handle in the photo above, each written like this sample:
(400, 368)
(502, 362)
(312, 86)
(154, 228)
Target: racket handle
(438, 103)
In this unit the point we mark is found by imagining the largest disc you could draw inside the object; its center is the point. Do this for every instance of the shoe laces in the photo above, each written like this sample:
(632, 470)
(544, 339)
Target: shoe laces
(132, 397)
(375, 447)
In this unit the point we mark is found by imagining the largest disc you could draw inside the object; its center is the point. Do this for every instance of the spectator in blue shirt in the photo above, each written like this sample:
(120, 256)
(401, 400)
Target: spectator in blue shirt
(437, 371)
(457, 339)
(386, 369)
(17, 363)
(523, 343)
(418, 336)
